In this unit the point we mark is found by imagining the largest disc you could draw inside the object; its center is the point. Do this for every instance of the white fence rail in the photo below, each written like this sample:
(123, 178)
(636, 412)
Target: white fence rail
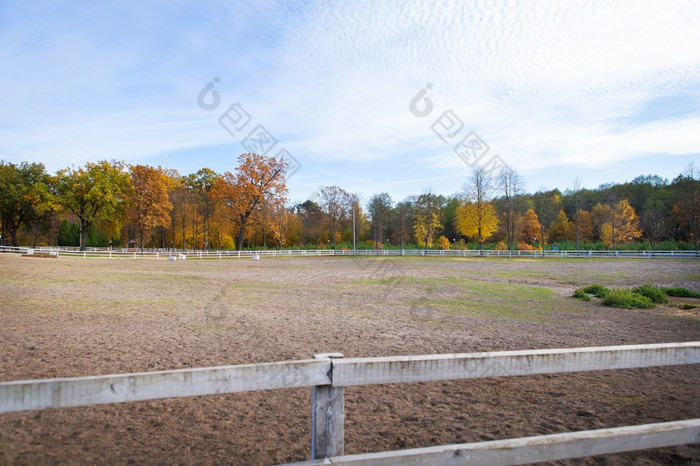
(227, 254)
(328, 374)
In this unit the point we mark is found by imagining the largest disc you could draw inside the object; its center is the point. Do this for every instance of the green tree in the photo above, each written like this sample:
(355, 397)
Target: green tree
(74, 234)
(379, 208)
(202, 186)
(24, 190)
(97, 192)
(64, 236)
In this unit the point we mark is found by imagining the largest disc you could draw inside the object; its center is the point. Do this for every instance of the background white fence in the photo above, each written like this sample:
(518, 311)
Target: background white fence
(227, 254)
(328, 374)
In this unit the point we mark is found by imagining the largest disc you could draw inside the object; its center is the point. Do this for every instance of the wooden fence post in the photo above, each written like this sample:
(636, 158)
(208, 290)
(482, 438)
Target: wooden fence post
(327, 416)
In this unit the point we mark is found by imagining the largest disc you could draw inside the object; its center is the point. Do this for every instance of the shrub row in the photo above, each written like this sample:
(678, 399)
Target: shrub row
(641, 297)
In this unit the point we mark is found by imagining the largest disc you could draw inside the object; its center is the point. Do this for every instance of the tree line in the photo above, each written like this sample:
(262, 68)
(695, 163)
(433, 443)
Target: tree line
(110, 203)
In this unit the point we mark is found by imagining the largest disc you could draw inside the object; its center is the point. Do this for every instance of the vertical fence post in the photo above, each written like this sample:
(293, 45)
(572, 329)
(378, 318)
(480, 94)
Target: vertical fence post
(327, 416)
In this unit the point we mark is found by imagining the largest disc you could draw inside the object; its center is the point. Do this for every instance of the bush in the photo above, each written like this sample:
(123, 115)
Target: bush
(443, 243)
(627, 299)
(654, 293)
(681, 292)
(523, 246)
(597, 290)
(580, 294)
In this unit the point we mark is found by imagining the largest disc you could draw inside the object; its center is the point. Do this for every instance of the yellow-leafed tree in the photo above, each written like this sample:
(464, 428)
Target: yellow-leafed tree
(477, 221)
(426, 217)
(560, 229)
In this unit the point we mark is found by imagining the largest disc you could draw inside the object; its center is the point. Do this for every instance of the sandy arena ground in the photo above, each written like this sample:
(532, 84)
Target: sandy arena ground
(71, 317)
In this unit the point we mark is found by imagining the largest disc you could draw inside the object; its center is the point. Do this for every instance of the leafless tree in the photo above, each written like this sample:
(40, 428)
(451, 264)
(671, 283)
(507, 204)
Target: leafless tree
(511, 185)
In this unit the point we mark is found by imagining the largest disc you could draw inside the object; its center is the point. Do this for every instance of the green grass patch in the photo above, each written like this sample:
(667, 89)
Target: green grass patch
(652, 292)
(394, 280)
(627, 299)
(463, 297)
(681, 292)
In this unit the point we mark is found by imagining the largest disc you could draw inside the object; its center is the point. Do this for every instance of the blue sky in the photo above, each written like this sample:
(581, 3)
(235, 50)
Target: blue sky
(557, 89)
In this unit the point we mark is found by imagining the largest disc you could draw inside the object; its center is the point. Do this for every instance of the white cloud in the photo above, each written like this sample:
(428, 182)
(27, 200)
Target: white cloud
(543, 83)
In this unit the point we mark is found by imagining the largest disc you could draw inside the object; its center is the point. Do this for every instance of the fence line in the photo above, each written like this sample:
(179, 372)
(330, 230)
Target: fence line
(328, 374)
(166, 254)
(533, 449)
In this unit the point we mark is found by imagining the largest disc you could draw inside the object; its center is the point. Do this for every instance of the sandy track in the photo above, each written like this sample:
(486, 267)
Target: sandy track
(72, 317)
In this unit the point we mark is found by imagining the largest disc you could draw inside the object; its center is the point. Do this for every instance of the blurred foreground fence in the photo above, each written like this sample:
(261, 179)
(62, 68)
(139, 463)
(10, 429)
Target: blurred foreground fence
(174, 254)
(329, 374)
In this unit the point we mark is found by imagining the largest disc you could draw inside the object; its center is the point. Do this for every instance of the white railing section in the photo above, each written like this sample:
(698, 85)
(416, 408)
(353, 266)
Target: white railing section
(165, 254)
(328, 374)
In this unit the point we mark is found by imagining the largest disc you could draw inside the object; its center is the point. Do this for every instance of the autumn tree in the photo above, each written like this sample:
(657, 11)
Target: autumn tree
(560, 228)
(585, 226)
(149, 202)
(477, 221)
(24, 193)
(530, 227)
(426, 218)
(617, 223)
(337, 205)
(477, 218)
(97, 192)
(511, 185)
(258, 179)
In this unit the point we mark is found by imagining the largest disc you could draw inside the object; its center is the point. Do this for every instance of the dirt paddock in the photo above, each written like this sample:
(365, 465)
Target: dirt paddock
(76, 317)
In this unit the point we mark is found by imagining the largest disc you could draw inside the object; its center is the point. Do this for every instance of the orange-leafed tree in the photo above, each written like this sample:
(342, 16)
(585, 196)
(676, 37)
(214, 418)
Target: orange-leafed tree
(256, 181)
(149, 201)
(529, 227)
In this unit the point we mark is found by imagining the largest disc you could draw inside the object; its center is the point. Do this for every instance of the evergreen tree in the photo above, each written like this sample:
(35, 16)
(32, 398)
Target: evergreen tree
(64, 234)
(74, 234)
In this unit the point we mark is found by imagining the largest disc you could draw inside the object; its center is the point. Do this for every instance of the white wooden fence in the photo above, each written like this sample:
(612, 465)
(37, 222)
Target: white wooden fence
(164, 254)
(329, 374)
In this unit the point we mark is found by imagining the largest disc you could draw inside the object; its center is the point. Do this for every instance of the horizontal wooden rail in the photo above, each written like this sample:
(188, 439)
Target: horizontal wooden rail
(85, 391)
(329, 373)
(400, 369)
(534, 449)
